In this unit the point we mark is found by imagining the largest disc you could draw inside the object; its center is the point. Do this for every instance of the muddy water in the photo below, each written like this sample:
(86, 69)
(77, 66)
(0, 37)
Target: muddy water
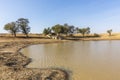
(87, 60)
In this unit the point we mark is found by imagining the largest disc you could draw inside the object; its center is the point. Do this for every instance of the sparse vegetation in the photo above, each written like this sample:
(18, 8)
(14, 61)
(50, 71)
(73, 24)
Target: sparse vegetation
(12, 28)
(57, 31)
(96, 35)
(84, 31)
(47, 31)
(66, 30)
(109, 32)
(23, 25)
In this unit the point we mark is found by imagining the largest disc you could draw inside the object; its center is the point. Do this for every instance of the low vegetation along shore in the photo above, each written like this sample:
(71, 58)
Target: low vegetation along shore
(13, 63)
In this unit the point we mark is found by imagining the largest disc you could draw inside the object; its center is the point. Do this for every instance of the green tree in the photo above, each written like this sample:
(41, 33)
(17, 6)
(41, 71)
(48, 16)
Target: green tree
(84, 31)
(109, 32)
(47, 31)
(76, 30)
(12, 28)
(63, 29)
(69, 29)
(58, 29)
(23, 25)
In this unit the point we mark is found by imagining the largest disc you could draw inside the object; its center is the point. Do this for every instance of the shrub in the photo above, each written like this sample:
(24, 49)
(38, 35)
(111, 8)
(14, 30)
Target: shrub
(96, 35)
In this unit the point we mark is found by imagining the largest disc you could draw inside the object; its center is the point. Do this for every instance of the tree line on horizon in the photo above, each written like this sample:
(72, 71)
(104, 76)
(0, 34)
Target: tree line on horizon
(21, 25)
(70, 29)
(59, 29)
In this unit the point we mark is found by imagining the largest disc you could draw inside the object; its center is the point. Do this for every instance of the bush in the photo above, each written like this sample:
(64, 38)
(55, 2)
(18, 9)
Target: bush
(96, 35)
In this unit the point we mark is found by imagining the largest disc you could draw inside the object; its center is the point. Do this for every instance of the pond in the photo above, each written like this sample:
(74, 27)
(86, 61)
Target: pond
(87, 60)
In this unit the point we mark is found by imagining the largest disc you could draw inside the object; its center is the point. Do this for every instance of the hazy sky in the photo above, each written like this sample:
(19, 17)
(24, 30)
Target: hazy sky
(99, 15)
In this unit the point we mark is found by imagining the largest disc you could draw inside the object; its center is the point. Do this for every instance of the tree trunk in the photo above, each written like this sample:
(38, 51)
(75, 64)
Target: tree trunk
(109, 34)
(83, 35)
(26, 35)
(14, 34)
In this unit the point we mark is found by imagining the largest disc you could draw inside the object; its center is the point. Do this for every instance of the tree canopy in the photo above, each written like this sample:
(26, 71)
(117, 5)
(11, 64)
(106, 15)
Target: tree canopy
(63, 29)
(58, 29)
(109, 32)
(47, 31)
(66, 29)
(23, 25)
(84, 31)
(12, 28)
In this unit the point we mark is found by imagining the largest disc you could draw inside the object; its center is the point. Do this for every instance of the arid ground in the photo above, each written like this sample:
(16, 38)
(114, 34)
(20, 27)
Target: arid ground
(13, 63)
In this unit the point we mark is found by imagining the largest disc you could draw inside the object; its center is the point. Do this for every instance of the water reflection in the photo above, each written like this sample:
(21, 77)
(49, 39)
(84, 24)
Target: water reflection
(89, 60)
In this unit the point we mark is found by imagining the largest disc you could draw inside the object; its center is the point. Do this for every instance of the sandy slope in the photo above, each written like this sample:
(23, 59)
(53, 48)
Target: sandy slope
(12, 62)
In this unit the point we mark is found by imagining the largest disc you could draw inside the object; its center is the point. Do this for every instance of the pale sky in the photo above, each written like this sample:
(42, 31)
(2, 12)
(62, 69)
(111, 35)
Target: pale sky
(99, 15)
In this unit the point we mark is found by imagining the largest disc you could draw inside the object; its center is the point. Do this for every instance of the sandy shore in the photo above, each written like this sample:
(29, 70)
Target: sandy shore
(12, 62)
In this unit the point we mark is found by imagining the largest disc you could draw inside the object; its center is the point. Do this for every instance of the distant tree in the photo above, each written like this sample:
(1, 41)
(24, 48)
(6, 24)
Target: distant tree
(12, 28)
(23, 25)
(58, 29)
(66, 28)
(84, 31)
(109, 32)
(69, 29)
(76, 30)
(63, 29)
(47, 31)
(96, 35)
